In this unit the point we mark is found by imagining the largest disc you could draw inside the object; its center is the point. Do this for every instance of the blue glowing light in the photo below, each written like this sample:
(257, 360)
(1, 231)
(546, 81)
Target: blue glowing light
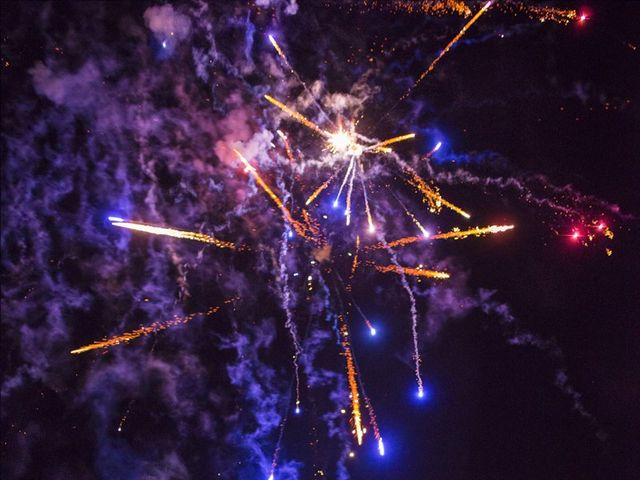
(115, 219)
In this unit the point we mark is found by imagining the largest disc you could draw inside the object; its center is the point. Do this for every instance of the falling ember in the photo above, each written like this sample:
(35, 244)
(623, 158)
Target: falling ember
(144, 331)
(380, 147)
(444, 51)
(319, 190)
(415, 272)
(356, 416)
(431, 197)
(298, 227)
(170, 232)
(456, 234)
(298, 116)
(287, 146)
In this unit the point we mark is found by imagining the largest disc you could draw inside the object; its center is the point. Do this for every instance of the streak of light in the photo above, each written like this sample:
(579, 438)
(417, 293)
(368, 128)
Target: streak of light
(416, 272)
(344, 181)
(372, 227)
(298, 227)
(145, 330)
(448, 47)
(287, 146)
(299, 117)
(380, 147)
(285, 60)
(456, 234)
(170, 232)
(321, 188)
(431, 197)
(356, 416)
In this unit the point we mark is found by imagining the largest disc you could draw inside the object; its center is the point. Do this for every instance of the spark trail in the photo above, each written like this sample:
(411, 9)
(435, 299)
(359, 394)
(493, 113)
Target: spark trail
(289, 323)
(415, 272)
(356, 416)
(170, 232)
(431, 196)
(286, 62)
(322, 187)
(144, 331)
(297, 226)
(448, 47)
(456, 234)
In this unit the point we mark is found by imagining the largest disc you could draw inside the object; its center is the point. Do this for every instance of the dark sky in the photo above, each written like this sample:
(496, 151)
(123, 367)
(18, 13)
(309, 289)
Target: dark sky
(131, 109)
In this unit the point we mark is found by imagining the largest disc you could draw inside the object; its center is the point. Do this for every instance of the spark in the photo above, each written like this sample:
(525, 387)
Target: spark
(170, 232)
(285, 60)
(287, 146)
(415, 272)
(298, 227)
(380, 447)
(145, 330)
(431, 196)
(356, 416)
(448, 47)
(456, 234)
(380, 147)
(299, 117)
(323, 186)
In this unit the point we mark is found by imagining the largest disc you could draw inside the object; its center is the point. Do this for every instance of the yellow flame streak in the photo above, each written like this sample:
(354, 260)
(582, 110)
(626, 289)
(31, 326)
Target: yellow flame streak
(416, 272)
(278, 49)
(144, 331)
(354, 265)
(356, 416)
(287, 146)
(453, 41)
(478, 231)
(298, 116)
(432, 197)
(320, 189)
(298, 227)
(456, 233)
(171, 232)
(380, 147)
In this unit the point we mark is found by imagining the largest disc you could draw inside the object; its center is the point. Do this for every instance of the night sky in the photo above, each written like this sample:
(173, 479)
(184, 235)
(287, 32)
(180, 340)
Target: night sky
(530, 351)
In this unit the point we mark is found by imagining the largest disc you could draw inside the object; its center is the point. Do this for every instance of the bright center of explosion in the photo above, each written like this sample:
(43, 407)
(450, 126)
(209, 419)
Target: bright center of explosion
(343, 142)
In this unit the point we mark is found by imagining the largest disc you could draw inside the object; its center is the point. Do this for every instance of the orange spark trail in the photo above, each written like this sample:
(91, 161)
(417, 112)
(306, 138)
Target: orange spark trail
(456, 233)
(378, 147)
(356, 416)
(285, 60)
(453, 41)
(287, 147)
(433, 198)
(298, 227)
(354, 265)
(319, 190)
(416, 272)
(144, 331)
(170, 232)
(298, 116)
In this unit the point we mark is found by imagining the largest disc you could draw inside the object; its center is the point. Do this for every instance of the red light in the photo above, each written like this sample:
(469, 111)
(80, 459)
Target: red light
(602, 226)
(576, 235)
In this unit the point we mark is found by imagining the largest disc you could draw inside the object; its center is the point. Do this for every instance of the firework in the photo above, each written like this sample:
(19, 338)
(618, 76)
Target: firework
(455, 234)
(431, 196)
(297, 226)
(415, 272)
(448, 47)
(145, 330)
(170, 232)
(320, 189)
(356, 416)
